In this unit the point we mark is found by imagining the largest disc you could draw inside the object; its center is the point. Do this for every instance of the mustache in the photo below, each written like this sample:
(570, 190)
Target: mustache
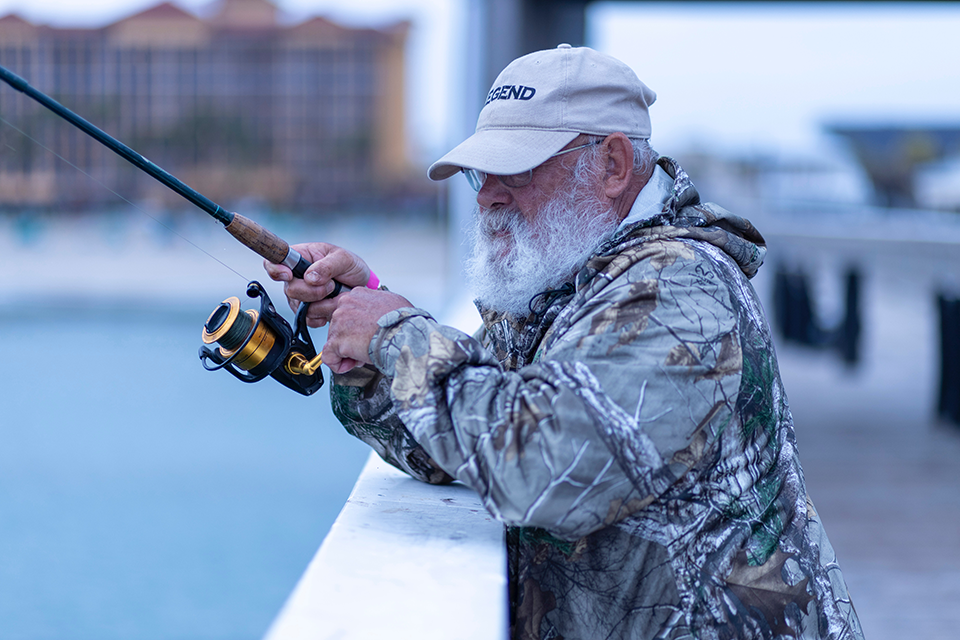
(490, 222)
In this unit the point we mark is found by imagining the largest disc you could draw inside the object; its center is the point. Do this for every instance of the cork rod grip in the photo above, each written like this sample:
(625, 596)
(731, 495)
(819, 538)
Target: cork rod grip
(271, 247)
(259, 239)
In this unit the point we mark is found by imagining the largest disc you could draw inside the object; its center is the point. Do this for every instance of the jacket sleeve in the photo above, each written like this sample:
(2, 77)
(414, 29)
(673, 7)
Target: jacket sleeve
(362, 403)
(619, 406)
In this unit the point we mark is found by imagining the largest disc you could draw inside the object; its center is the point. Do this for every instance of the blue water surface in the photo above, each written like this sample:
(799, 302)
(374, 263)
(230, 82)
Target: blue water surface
(142, 497)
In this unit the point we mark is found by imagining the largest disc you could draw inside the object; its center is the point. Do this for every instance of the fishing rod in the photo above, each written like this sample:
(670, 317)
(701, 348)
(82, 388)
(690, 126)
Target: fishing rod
(252, 344)
(248, 232)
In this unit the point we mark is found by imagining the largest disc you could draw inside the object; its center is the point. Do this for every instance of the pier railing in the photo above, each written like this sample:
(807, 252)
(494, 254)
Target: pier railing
(404, 559)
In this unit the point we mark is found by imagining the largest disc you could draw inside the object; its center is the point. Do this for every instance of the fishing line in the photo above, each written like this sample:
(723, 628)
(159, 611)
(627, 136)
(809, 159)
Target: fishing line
(271, 347)
(141, 210)
(263, 242)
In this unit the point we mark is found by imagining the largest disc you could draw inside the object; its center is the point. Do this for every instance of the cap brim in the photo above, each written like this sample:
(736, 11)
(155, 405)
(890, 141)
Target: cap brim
(501, 151)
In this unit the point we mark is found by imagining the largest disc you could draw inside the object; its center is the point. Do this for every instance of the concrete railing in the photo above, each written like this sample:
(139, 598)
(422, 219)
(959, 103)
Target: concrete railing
(404, 559)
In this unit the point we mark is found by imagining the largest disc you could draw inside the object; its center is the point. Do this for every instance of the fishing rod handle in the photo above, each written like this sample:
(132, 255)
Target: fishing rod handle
(270, 246)
(264, 243)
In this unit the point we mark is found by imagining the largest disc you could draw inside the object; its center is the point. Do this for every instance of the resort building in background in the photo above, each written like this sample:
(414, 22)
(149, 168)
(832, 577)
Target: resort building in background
(237, 104)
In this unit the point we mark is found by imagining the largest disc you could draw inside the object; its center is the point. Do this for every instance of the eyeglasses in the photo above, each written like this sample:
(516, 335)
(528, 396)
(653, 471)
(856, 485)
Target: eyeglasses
(516, 180)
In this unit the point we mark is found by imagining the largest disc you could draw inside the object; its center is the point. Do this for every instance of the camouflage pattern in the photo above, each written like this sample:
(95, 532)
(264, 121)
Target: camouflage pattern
(634, 436)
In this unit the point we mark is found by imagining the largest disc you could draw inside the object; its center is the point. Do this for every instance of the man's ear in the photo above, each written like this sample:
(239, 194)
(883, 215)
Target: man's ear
(619, 160)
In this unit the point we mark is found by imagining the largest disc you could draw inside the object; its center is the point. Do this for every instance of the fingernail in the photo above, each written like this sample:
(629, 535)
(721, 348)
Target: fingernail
(313, 277)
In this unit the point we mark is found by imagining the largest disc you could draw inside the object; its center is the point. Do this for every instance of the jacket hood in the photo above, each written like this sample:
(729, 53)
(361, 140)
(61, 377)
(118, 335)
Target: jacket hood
(685, 216)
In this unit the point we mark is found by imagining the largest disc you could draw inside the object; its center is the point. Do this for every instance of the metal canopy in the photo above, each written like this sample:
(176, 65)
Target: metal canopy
(892, 154)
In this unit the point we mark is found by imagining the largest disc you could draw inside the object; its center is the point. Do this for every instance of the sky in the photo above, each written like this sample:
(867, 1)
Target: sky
(741, 77)
(753, 76)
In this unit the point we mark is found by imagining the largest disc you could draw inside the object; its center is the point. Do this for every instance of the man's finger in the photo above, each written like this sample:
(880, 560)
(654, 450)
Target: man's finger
(340, 265)
(336, 363)
(323, 308)
(277, 272)
(301, 290)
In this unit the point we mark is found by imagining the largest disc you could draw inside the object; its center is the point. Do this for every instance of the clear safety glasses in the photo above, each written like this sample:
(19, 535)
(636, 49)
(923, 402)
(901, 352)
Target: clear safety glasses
(516, 180)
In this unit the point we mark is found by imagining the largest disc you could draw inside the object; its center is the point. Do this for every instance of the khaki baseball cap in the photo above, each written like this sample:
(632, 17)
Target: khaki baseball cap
(544, 100)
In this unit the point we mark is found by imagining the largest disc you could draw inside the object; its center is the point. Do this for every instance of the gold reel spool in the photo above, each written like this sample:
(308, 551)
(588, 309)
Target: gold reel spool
(229, 326)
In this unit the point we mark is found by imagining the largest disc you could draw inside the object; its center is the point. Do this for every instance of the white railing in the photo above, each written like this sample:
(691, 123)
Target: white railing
(403, 560)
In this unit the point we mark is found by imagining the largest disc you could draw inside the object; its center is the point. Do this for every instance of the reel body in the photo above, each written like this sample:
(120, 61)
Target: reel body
(254, 345)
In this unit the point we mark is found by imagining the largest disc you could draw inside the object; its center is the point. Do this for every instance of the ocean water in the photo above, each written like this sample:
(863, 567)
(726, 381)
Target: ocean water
(142, 497)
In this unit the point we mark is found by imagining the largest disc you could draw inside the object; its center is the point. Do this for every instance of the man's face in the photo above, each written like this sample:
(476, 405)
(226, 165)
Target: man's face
(533, 238)
(551, 177)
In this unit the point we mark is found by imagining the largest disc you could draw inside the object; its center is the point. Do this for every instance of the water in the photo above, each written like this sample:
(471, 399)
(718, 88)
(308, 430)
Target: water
(143, 497)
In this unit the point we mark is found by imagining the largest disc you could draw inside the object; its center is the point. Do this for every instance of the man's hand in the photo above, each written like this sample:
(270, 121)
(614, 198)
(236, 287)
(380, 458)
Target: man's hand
(353, 322)
(352, 315)
(329, 263)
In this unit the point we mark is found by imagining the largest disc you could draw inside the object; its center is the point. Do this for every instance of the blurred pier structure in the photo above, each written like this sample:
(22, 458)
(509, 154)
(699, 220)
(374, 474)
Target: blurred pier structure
(795, 315)
(948, 399)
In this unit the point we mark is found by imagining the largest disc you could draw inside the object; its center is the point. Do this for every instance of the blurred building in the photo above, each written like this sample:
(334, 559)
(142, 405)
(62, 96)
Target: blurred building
(236, 104)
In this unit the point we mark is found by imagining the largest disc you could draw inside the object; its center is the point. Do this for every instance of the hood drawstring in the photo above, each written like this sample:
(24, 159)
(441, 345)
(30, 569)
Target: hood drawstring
(549, 297)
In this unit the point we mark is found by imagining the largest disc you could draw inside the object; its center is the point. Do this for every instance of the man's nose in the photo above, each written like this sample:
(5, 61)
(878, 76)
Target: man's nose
(493, 193)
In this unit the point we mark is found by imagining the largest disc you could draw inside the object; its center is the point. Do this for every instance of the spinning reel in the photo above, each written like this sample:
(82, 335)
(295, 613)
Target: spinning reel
(254, 345)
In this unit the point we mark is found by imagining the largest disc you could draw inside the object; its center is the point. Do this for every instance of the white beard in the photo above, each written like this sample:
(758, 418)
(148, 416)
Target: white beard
(506, 272)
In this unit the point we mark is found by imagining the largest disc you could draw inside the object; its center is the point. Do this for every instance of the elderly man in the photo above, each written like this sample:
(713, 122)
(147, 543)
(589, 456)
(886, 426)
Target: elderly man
(621, 409)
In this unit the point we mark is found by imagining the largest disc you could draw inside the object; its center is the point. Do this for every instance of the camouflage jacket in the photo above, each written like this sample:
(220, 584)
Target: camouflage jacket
(633, 434)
